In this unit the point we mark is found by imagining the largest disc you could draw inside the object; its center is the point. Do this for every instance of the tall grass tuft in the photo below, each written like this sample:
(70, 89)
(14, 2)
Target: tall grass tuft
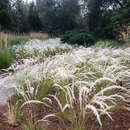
(107, 43)
(37, 48)
(6, 58)
(78, 100)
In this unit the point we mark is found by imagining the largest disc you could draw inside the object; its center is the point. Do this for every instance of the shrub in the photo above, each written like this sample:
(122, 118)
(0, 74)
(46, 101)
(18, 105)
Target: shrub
(5, 58)
(80, 38)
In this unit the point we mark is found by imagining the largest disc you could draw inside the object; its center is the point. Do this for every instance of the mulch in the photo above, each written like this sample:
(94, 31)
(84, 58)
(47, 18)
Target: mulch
(121, 121)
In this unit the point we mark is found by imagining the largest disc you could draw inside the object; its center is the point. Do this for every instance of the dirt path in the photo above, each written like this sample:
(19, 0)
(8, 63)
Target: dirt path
(6, 90)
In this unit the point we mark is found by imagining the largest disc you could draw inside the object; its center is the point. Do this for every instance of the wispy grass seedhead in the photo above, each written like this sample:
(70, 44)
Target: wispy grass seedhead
(36, 48)
(80, 101)
(72, 82)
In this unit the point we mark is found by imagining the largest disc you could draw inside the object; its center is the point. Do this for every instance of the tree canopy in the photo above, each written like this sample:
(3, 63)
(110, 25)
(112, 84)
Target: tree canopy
(58, 16)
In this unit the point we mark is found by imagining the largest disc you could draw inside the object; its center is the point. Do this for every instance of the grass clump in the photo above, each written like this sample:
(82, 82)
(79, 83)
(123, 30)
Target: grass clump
(6, 58)
(107, 43)
(23, 40)
(37, 48)
(33, 126)
(27, 102)
(19, 41)
(14, 114)
(81, 99)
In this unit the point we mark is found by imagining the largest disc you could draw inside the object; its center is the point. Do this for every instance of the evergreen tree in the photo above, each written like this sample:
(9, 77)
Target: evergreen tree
(58, 15)
(33, 18)
(19, 15)
(4, 13)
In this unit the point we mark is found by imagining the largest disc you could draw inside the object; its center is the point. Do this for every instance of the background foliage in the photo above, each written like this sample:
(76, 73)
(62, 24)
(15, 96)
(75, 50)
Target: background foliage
(104, 18)
(78, 37)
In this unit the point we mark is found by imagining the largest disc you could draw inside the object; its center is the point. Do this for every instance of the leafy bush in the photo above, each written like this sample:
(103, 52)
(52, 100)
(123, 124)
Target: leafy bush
(80, 38)
(5, 58)
(108, 32)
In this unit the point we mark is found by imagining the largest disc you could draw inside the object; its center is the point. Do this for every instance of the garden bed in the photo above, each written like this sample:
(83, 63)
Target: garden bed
(121, 121)
(57, 86)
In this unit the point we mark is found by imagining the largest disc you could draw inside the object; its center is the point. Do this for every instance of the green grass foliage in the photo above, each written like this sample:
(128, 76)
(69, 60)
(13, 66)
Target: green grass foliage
(107, 43)
(6, 58)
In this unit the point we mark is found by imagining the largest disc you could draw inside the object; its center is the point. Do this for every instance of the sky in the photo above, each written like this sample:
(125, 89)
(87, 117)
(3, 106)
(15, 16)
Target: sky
(28, 0)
